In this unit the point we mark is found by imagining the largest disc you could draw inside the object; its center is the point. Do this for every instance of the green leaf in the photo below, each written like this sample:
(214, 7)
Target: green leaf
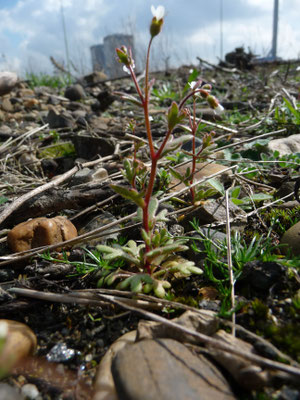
(295, 112)
(152, 208)
(236, 201)
(159, 288)
(3, 199)
(176, 174)
(235, 192)
(158, 254)
(173, 115)
(130, 98)
(193, 77)
(162, 216)
(257, 197)
(130, 194)
(217, 185)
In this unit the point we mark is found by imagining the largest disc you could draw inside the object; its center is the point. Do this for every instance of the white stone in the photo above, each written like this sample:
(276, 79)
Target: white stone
(286, 145)
(8, 81)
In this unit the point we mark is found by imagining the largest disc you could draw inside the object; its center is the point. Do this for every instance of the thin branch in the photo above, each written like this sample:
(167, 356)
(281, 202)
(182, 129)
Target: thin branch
(229, 261)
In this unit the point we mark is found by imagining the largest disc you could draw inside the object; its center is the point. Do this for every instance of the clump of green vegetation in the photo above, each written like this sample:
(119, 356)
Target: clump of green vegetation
(58, 150)
(281, 219)
(92, 262)
(54, 81)
(287, 113)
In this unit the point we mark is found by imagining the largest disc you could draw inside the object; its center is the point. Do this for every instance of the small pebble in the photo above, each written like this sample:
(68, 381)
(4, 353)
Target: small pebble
(30, 391)
(60, 353)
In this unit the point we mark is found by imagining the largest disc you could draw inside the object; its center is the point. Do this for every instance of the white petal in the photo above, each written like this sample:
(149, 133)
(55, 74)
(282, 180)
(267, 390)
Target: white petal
(125, 69)
(158, 12)
(192, 84)
(219, 109)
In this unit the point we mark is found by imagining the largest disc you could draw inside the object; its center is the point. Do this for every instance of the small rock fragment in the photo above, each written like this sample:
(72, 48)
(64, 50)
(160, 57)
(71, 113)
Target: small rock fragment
(40, 232)
(59, 120)
(286, 145)
(99, 174)
(261, 275)
(8, 392)
(19, 342)
(203, 321)
(291, 240)
(203, 170)
(74, 92)
(60, 353)
(87, 147)
(105, 98)
(8, 81)
(214, 210)
(30, 391)
(7, 105)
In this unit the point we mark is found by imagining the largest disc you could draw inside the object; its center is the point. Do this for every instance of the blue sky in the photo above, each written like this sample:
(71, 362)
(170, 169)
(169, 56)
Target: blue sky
(31, 30)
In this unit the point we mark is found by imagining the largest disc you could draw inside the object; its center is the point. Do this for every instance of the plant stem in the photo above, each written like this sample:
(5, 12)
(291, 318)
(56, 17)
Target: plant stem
(194, 129)
(146, 104)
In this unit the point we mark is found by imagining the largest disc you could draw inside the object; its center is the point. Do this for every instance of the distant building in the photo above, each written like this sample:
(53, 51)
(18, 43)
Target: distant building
(104, 55)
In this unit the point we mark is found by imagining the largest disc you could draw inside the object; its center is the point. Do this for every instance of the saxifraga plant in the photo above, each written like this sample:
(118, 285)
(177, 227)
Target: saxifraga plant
(154, 258)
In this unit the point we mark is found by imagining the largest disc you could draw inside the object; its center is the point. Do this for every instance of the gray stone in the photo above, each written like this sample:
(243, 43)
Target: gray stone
(261, 275)
(165, 369)
(286, 145)
(8, 81)
(88, 147)
(285, 189)
(214, 210)
(5, 130)
(57, 120)
(82, 176)
(8, 392)
(291, 240)
(188, 146)
(6, 105)
(203, 321)
(30, 391)
(74, 92)
(217, 237)
(99, 221)
(99, 174)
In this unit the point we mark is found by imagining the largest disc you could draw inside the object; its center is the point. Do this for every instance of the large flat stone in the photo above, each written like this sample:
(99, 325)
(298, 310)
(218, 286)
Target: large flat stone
(164, 369)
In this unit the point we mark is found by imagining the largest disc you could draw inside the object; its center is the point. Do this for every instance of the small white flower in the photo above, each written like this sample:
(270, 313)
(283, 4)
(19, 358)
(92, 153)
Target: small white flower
(192, 84)
(158, 12)
(125, 69)
(219, 109)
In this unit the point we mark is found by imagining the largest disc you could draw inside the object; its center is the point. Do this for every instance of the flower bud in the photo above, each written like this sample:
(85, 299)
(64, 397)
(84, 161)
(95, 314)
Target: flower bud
(214, 103)
(123, 56)
(157, 20)
(207, 87)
